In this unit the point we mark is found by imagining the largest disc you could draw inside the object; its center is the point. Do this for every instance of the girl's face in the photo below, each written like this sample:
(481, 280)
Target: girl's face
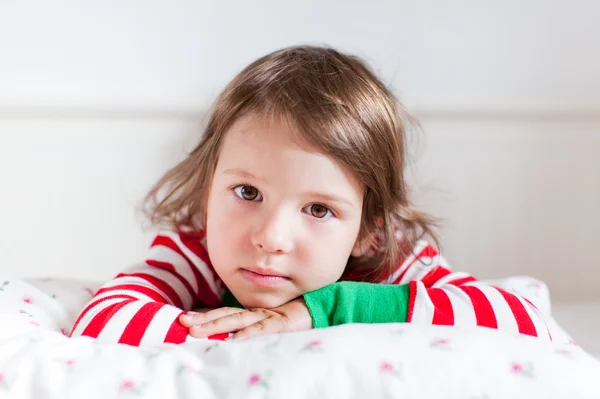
(282, 218)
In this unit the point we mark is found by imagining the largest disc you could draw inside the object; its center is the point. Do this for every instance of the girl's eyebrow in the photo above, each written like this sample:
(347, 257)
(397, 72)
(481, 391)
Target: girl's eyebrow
(243, 173)
(325, 197)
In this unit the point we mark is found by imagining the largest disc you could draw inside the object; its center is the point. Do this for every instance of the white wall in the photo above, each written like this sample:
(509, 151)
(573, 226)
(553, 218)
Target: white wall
(97, 100)
(177, 55)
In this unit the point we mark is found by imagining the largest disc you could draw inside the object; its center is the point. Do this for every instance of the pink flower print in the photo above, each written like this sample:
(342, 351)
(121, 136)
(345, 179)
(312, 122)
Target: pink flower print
(34, 323)
(3, 382)
(315, 345)
(64, 332)
(537, 287)
(70, 362)
(27, 300)
(4, 284)
(441, 343)
(386, 367)
(254, 379)
(517, 368)
(522, 369)
(126, 386)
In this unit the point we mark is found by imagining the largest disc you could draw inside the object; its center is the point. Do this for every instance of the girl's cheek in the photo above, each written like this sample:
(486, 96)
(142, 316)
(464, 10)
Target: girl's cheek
(323, 230)
(329, 242)
(236, 218)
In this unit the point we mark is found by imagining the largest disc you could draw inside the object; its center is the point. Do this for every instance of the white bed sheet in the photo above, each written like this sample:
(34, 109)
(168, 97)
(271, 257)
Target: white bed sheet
(38, 361)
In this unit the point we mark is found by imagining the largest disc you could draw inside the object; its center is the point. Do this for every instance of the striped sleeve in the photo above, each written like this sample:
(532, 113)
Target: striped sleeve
(142, 305)
(437, 295)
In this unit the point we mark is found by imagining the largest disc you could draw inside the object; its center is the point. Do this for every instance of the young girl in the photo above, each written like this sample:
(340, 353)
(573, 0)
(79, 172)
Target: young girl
(292, 213)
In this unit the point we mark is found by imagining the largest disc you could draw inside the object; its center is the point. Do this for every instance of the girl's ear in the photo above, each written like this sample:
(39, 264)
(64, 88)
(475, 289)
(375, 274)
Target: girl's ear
(368, 243)
(361, 247)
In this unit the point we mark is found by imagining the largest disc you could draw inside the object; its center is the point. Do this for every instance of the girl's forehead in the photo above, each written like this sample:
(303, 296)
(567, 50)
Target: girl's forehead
(276, 152)
(267, 136)
(252, 127)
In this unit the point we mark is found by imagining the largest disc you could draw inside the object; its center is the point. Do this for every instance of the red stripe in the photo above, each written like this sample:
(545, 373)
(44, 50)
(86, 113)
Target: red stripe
(159, 284)
(484, 312)
(412, 295)
(137, 326)
(136, 288)
(91, 305)
(401, 276)
(205, 294)
(171, 269)
(532, 305)
(193, 243)
(219, 337)
(177, 333)
(434, 275)
(172, 245)
(429, 252)
(538, 312)
(160, 265)
(461, 281)
(99, 321)
(443, 313)
(524, 322)
(399, 279)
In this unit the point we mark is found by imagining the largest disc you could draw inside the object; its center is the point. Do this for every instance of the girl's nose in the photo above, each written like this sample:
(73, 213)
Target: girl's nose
(273, 235)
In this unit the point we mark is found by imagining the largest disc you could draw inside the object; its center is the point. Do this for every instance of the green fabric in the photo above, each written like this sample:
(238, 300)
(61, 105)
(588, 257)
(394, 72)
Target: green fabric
(356, 302)
(230, 301)
(350, 302)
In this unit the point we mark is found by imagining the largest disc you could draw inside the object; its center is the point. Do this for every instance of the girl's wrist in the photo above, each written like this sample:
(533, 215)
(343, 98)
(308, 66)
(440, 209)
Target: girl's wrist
(297, 313)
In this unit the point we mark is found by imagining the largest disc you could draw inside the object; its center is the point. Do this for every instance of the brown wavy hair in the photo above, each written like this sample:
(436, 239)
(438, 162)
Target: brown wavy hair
(338, 105)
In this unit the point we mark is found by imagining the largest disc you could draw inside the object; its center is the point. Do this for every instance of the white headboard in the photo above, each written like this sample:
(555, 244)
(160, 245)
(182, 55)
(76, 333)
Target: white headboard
(96, 103)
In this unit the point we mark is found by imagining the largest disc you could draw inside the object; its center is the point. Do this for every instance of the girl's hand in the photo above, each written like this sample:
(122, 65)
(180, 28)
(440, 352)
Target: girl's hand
(291, 317)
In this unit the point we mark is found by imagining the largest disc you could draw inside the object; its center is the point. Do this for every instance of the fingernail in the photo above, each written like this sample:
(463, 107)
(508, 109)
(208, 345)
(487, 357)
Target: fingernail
(187, 318)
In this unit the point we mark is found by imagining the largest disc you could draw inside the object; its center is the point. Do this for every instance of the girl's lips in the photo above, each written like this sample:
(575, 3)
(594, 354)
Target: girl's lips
(264, 271)
(262, 278)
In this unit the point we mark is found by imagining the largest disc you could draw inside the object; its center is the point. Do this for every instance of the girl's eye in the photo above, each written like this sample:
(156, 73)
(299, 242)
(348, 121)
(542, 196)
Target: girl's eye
(247, 193)
(319, 211)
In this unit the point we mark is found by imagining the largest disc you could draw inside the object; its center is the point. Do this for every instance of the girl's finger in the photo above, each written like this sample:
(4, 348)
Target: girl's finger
(193, 319)
(228, 323)
(271, 325)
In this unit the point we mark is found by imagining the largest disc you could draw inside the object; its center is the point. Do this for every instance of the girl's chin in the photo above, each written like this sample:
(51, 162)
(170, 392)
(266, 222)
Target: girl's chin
(264, 300)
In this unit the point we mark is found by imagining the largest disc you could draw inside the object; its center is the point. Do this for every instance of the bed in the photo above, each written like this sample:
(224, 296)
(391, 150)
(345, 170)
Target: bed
(38, 360)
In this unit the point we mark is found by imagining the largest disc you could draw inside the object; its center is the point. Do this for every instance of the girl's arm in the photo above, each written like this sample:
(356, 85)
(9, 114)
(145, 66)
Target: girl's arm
(142, 306)
(424, 290)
